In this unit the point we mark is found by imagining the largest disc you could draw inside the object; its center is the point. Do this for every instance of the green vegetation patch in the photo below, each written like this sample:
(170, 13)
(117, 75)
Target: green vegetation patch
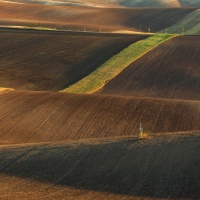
(107, 71)
(189, 25)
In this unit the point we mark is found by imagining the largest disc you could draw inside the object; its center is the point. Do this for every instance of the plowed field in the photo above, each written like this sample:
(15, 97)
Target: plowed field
(44, 116)
(115, 3)
(170, 71)
(165, 167)
(52, 61)
(86, 147)
(108, 19)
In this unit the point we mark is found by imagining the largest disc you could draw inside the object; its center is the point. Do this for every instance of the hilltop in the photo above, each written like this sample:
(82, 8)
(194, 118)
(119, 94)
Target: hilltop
(114, 3)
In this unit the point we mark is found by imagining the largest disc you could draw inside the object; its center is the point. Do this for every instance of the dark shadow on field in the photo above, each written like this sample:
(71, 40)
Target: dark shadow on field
(98, 57)
(53, 60)
(156, 19)
(163, 167)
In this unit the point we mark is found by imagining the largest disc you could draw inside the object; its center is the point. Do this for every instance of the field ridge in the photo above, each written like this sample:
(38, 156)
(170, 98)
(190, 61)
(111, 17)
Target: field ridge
(129, 169)
(116, 64)
(30, 117)
(189, 25)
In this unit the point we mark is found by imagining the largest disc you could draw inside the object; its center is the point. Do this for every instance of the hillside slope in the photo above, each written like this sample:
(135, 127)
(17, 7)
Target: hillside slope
(169, 71)
(115, 3)
(78, 18)
(42, 60)
(28, 116)
(189, 25)
(160, 3)
(163, 167)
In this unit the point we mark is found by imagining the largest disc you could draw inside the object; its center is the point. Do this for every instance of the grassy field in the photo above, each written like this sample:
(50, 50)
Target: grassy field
(116, 64)
(35, 117)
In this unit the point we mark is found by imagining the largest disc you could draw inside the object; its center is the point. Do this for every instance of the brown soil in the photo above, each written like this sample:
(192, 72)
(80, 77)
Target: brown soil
(115, 3)
(169, 71)
(44, 116)
(42, 60)
(91, 18)
(164, 167)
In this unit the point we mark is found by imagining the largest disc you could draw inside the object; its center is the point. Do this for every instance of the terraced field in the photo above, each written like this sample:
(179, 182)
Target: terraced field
(164, 167)
(45, 60)
(169, 71)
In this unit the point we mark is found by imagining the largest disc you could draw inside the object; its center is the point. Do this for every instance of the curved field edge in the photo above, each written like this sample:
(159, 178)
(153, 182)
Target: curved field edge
(116, 64)
(189, 25)
(31, 117)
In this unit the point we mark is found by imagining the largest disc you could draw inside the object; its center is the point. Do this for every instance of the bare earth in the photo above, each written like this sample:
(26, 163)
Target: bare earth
(44, 60)
(45, 116)
(169, 71)
(163, 167)
(91, 18)
(86, 147)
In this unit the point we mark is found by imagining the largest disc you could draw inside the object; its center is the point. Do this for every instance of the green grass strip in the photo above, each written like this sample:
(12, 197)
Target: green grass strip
(189, 25)
(107, 71)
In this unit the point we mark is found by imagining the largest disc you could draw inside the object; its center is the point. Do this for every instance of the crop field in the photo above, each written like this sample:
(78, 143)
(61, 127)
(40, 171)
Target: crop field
(115, 65)
(91, 18)
(114, 3)
(80, 80)
(189, 25)
(28, 117)
(35, 60)
(162, 167)
(169, 71)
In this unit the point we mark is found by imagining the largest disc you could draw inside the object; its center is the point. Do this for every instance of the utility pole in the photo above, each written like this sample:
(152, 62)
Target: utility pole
(166, 30)
(141, 130)
(140, 27)
(182, 28)
(149, 29)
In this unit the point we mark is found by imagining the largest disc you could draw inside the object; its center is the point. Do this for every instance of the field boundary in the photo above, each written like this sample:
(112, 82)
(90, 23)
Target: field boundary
(111, 68)
(189, 25)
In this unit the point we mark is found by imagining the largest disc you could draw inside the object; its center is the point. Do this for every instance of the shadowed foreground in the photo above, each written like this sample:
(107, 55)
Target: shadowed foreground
(160, 167)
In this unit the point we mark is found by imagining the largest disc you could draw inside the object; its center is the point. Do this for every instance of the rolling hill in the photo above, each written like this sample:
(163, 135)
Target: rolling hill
(77, 146)
(28, 116)
(91, 18)
(162, 167)
(114, 3)
(169, 71)
(44, 60)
